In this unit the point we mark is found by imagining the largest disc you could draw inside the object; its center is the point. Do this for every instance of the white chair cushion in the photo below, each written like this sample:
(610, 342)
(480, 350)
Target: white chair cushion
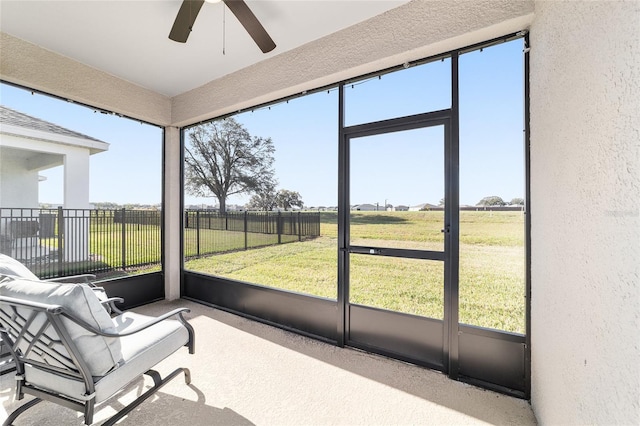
(9, 267)
(101, 354)
(140, 352)
(12, 268)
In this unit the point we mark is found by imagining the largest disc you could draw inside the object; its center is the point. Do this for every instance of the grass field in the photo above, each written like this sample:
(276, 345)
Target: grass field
(491, 265)
(105, 242)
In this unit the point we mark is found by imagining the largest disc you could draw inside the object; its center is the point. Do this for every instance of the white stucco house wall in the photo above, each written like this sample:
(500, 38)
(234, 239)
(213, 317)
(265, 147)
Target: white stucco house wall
(29, 145)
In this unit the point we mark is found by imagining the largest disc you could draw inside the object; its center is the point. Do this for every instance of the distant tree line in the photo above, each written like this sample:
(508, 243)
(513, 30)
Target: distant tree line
(270, 200)
(494, 200)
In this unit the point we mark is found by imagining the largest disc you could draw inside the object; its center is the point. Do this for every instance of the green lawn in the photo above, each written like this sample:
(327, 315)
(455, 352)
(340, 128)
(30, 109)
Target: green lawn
(491, 265)
(142, 247)
(491, 261)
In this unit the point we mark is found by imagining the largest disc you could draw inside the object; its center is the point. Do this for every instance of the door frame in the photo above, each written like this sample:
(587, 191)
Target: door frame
(414, 350)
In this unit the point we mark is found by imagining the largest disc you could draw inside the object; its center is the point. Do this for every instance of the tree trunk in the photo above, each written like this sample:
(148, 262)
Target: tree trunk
(223, 204)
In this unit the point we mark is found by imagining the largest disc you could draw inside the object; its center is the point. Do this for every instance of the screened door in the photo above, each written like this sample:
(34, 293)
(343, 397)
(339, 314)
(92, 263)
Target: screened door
(396, 238)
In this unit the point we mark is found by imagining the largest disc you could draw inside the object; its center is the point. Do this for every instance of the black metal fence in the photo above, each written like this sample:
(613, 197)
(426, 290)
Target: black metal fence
(208, 232)
(61, 242)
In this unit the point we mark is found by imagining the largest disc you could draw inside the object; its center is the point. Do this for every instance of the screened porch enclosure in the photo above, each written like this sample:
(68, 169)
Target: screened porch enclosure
(440, 283)
(536, 298)
(399, 273)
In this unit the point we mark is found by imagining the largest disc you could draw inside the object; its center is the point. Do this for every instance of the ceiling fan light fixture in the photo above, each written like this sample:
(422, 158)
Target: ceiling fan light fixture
(213, 1)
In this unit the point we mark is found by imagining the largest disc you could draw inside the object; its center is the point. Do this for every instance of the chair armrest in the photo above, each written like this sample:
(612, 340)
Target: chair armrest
(138, 329)
(148, 324)
(176, 312)
(111, 304)
(59, 310)
(82, 278)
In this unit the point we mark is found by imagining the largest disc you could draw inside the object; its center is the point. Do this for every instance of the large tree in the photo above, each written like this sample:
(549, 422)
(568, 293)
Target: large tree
(265, 199)
(287, 199)
(223, 159)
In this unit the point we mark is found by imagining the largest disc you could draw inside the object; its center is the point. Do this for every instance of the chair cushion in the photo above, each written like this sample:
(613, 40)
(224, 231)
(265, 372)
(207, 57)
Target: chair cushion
(9, 267)
(12, 268)
(140, 352)
(101, 354)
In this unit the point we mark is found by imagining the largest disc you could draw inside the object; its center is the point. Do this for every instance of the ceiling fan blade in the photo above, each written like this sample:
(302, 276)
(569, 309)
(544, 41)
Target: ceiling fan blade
(185, 19)
(251, 24)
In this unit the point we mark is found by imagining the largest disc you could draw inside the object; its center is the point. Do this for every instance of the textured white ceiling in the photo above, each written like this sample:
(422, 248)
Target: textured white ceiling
(129, 39)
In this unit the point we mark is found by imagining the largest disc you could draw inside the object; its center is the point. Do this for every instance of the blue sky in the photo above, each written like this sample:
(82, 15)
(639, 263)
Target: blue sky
(129, 172)
(401, 168)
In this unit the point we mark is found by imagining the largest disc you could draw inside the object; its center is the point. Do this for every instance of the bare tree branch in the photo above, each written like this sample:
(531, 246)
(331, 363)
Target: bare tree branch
(223, 159)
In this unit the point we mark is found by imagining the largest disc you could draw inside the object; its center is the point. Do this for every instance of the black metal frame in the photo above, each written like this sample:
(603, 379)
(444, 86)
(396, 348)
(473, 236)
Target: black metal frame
(412, 338)
(136, 290)
(452, 204)
(527, 225)
(489, 358)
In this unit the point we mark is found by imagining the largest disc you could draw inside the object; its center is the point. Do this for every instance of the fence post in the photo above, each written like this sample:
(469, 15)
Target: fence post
(124, 238)
(246, 245)
(279, 226)
(299, 227)
(60, 239)
(198, 232)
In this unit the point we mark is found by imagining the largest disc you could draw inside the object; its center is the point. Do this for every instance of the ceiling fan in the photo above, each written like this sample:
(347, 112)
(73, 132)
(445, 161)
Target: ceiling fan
(189, 11)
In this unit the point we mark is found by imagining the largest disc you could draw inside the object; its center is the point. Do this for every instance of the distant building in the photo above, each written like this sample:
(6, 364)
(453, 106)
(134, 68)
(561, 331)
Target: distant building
(423, 206)
(367, 207)
(29, 145)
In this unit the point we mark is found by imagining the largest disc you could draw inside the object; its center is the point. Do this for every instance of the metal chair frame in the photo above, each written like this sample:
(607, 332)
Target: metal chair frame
(17, 331)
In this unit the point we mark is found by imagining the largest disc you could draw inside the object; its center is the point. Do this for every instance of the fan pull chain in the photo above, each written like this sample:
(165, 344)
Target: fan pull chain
(224, 29)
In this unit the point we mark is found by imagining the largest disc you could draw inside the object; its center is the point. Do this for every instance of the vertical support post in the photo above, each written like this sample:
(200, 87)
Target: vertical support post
(299, 227)
(527, 221)
(343, 225)
(123, 223)
(246, 241)
(198, 232)
(452, 221)
(60, 239)
(172, 231)
(279, 226)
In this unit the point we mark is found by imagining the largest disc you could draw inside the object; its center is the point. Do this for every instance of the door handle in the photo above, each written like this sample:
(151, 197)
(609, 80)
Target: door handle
(446, 230)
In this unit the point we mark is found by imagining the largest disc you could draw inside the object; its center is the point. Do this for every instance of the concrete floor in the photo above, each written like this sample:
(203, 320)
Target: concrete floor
(246, 373)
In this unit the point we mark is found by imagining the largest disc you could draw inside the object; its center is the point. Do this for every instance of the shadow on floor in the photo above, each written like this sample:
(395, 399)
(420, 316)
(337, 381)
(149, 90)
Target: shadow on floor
(162, 409)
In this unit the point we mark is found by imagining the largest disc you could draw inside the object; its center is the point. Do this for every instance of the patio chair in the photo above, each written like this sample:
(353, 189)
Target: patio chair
(10, 267)
(24, 238)
(69, 350)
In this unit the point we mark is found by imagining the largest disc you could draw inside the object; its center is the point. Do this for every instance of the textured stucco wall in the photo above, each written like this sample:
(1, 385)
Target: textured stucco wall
(172, 212)
(585, 191)
(413, 31)
(37, 68)
(24, 182)
(18, 186)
